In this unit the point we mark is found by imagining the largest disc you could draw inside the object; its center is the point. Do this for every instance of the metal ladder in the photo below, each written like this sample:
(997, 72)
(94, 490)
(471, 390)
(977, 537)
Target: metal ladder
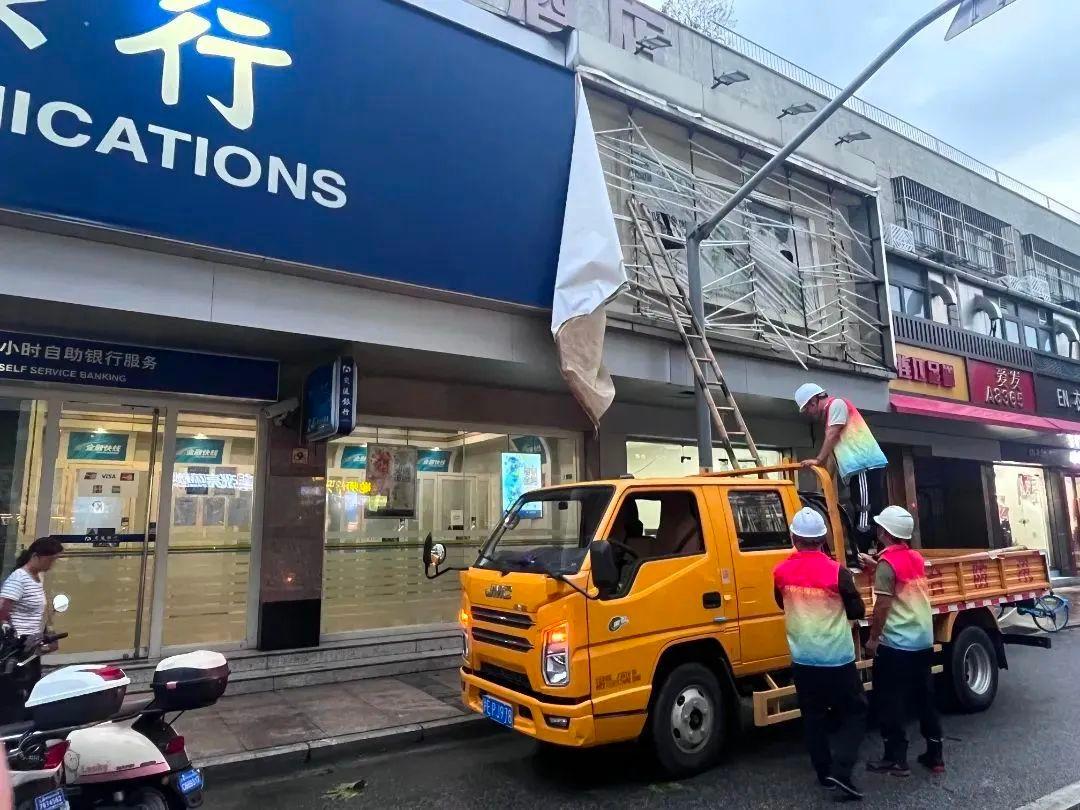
(698, 350)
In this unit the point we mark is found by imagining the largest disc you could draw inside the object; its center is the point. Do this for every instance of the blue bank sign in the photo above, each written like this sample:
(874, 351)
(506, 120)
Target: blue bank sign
(50, 359)
(363, 136)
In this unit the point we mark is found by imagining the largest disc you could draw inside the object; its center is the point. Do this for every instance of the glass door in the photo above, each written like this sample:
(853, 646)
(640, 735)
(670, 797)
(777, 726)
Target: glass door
(104, 509)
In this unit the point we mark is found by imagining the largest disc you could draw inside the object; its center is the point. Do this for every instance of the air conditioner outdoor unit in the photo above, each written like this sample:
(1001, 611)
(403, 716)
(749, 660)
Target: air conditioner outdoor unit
(899, 238)
(1030, 284)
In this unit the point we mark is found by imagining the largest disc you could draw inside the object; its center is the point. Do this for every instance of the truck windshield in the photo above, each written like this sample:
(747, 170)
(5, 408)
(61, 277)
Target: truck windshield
(547, 532)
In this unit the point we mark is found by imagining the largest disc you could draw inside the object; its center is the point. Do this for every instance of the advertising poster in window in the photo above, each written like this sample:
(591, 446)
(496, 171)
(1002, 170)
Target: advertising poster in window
(521, 473)
(391, 481)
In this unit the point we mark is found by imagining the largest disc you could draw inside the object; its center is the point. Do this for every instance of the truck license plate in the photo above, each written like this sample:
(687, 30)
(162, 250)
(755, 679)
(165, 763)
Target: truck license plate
(189, 781)
(501, 713)
(51, 801)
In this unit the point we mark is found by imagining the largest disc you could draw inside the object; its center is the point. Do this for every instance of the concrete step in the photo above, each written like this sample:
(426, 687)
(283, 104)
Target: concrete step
(335, 662)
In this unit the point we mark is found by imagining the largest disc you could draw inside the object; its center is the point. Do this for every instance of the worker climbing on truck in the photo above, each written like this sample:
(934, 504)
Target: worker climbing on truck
(819, 599)
(859, 460)
(902, 641)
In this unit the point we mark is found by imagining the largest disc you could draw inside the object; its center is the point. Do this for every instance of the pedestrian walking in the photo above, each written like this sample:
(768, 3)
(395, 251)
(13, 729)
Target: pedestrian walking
(902, 642)
(819, 598)
(860, 463)
(22, 605)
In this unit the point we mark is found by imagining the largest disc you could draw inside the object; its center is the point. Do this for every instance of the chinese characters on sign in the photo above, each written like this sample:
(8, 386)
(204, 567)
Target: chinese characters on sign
(44, 359)
(26, 31)
(1001, 387)
(190, 27)
(930, 372)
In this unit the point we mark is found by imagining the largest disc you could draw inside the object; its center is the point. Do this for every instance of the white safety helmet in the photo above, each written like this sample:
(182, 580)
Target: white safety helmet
(806, 392)
(897, 521)
(808, 523)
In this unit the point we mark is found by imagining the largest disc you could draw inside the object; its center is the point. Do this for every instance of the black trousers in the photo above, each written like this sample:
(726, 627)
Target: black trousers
(903, 688)
(832, 700)
(868, 491)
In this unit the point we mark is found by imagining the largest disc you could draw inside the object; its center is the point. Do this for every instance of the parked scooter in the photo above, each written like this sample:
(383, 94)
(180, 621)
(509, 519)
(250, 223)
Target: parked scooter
(35, 755)
(137, 760)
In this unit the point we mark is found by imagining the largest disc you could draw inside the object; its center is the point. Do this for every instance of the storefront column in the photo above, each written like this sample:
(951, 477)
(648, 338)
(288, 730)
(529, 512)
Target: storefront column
(910, 493)
(294, 518)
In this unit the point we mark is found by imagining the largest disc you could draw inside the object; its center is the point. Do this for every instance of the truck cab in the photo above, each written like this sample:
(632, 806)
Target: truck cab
(625, 609)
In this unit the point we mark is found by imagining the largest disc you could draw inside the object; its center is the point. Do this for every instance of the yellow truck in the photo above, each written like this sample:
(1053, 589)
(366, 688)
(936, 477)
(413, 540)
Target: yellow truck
(643, 609)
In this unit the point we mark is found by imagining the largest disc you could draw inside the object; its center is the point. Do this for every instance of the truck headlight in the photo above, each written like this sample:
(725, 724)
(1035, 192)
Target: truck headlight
(463, 620)
(556, 664)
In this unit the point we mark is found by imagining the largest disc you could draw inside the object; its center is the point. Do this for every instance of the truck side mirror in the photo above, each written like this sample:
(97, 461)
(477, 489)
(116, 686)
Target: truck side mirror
(605, 572)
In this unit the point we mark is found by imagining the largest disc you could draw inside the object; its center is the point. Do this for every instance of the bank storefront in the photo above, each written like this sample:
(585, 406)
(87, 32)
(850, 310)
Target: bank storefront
(180, 182)
(152, 489)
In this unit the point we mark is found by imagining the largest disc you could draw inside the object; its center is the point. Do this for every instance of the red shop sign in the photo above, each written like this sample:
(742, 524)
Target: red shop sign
(1001, 387)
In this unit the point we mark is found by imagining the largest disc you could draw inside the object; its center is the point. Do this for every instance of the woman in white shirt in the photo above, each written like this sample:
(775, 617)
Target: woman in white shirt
(22, 605)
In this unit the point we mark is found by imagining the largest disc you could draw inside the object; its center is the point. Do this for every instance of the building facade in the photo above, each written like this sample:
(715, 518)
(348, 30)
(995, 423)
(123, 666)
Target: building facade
(192, 225)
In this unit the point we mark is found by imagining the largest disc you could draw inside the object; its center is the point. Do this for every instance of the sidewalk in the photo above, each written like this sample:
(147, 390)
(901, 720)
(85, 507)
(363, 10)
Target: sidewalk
(259, 733)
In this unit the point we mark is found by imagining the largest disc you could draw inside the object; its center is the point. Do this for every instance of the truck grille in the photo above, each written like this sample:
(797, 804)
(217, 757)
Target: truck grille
(518, 681)
(519, 620)
(501, 639)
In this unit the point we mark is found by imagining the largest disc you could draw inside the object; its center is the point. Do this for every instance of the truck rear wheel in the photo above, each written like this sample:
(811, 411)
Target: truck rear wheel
(688, 721)
(971, 671)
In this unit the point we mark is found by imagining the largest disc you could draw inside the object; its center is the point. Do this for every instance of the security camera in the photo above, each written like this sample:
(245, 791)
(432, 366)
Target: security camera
(279, 410)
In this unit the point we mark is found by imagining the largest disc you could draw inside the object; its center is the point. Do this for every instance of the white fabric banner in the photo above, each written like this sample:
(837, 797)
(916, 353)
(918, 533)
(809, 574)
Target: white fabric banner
(590, 271)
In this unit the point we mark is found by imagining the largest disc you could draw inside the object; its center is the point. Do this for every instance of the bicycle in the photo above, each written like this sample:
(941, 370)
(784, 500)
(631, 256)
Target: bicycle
(1050, 613)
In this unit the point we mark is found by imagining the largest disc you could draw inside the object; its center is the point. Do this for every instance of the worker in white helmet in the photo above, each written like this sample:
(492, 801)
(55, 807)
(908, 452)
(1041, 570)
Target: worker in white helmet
(902, 640)
(819, 600)
(860, 464)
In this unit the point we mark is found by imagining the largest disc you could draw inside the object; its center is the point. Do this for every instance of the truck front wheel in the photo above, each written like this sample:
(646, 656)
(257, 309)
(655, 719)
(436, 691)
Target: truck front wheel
(971, 670)
(688, 721)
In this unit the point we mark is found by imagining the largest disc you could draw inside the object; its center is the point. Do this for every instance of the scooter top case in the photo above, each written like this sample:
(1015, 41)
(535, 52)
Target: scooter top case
(77, 695)
(190, 681)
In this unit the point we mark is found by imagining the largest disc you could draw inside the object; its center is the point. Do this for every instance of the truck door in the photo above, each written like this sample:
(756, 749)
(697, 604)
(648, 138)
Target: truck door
(669, 589)
(758, 527)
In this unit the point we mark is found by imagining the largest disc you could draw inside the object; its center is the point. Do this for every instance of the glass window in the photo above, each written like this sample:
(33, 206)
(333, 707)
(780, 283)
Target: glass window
(547, 532)
(1031, 336)
(1012, 331)
(658, 525)
(914, 302)
(455, 485)
(210, 537)
(760, 522)
(895, 303)
(22, 430)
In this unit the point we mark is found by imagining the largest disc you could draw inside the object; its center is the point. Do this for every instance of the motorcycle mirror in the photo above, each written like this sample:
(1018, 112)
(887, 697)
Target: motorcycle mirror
(61, 603)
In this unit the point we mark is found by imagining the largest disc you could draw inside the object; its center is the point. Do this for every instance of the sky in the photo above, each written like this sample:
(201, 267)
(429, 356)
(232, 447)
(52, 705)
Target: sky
(1007, 92)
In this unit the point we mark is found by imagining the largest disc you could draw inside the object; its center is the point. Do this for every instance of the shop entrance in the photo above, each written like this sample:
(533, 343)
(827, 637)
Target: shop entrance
(1072, 500)
(1023, 508)
(155, 506)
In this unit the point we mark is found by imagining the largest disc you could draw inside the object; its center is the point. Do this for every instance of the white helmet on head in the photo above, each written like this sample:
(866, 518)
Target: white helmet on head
(808, 523)
(806, 392)
(897, 521)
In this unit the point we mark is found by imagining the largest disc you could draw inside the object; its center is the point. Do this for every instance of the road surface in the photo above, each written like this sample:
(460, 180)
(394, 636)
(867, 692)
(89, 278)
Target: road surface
(1026, 746)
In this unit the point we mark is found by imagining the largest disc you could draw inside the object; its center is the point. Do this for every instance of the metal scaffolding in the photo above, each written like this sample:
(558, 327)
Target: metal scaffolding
(789, 271)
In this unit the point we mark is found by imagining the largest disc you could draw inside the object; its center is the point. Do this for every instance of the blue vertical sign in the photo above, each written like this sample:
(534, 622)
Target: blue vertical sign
(329, 407)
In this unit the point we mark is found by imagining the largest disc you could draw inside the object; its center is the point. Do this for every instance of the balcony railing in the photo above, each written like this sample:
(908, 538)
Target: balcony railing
(934, 335)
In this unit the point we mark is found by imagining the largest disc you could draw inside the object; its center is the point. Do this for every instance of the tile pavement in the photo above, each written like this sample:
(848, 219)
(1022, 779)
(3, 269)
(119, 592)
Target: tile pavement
(250, 723)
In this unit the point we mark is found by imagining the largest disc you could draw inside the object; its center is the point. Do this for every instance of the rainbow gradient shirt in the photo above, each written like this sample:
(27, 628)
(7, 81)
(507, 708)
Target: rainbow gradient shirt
(857, 450)
(818, 631)
(902, 575)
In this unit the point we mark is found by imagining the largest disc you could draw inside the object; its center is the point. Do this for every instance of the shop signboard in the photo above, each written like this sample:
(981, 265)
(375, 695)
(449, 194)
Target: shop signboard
(521, 473)
(930, 373)
(1001, 387)
(50, 359)
(264, 128)
(1038, 454)
(1056, 397)
(391, 479)
(329, 406)
(192, 450)
(87, 446)
(354, 457)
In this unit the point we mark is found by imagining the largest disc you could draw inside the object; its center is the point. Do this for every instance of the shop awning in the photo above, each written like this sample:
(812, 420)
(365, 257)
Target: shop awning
(944, 409)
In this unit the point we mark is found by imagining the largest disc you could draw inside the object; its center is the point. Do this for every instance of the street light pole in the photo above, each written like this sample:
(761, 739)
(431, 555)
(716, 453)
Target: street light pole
(703, 231)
